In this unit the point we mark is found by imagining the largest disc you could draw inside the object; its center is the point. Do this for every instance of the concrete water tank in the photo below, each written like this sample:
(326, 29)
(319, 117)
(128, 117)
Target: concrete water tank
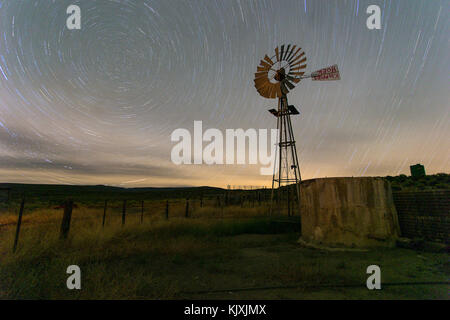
(352, 212)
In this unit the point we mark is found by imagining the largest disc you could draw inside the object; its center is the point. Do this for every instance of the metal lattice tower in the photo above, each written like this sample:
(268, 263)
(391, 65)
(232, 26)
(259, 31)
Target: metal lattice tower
(287, 170)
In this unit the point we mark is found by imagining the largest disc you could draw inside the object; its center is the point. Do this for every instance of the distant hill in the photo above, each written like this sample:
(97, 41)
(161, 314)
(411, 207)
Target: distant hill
(95, 193)
(100, 192)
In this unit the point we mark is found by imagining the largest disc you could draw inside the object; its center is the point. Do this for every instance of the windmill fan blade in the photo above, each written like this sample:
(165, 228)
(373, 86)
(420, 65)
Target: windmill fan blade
(289, 85)
(290, 53)
(269, 61)
(295, 54)
(263, 87)
(268, 91)
(298, 62)
(295, 80)
(277, 55)
(282, 52)
(300, 67)
(265, 64)
(261, 92)
(264, 90)
(284, 90)
(296, 73)
(275, 89)
(259, 77)
(296, 58)
(260, 82)
(260, 69)
(286, 52)
(260, 74)
(279, 94)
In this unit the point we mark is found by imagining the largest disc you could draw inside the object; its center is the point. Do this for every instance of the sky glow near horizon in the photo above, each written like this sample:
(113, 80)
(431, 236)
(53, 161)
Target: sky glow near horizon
(98, 105)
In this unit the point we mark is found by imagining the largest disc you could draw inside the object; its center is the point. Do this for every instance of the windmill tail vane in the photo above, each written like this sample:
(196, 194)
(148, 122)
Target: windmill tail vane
(275, 77)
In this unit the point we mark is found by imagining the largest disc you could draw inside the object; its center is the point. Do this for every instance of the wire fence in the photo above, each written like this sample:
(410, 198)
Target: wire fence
(255, 202)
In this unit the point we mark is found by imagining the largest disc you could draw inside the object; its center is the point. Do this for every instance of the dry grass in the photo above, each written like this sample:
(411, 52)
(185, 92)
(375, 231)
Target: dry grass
(113, 257)
(165, 259)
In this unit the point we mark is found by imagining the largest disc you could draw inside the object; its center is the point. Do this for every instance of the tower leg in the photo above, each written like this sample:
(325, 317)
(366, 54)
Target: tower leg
(275, 165)
(298, 177)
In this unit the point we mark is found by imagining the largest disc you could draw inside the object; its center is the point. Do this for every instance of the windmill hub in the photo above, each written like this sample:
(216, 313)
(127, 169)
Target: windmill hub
(280, 75)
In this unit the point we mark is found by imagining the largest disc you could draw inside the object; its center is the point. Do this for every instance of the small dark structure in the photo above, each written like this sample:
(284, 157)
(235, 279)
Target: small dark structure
(417, 170)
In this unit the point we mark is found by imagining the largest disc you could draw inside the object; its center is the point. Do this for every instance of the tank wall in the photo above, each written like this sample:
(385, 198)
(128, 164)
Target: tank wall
(356, 212)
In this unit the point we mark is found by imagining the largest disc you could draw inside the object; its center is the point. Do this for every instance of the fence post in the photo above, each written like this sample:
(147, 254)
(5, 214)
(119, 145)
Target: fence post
(19, 222)
(219, 204)
(201, 200)
(65, 224)
(167, 209)
(124, 211)
(104, 213)
(187, 208)
(142, 211)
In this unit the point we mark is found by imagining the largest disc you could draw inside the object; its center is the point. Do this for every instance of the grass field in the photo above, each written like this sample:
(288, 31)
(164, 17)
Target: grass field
(216, 253)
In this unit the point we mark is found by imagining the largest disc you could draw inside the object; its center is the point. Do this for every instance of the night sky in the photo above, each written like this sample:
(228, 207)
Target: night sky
(98, 105)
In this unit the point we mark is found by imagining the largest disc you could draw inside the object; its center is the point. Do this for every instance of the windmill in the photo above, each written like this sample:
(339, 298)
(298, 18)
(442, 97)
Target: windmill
(274, 78)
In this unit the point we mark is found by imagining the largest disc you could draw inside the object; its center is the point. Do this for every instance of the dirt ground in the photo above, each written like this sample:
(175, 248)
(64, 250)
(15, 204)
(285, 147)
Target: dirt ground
(262, 269)
(199, 259)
